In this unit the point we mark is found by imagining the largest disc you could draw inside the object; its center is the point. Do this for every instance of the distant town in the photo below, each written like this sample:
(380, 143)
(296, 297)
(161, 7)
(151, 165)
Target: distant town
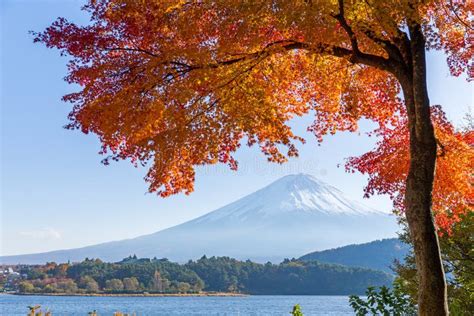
(10, 278)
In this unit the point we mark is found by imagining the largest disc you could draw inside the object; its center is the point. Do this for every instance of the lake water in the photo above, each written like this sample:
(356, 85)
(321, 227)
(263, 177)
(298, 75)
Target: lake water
(169, 306)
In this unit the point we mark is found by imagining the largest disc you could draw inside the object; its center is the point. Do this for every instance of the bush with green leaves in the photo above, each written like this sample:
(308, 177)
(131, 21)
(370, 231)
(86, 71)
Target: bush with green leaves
(385, 302)
(296, 310)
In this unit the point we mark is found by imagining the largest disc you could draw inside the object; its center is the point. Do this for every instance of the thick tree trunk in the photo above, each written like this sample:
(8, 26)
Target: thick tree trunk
(432, 297)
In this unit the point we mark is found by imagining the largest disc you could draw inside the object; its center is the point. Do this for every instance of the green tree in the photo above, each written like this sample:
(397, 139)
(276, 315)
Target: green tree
(296, 310)
(198, 286)
(67, 286)
(184, 287)
(114, 285)
(383, 302)
(26, 287)
(131, 284)
(50, 288)
(89, 284)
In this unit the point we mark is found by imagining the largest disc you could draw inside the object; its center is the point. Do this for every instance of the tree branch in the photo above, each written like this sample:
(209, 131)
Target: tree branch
(354, 56)
(392, 50)
(342, 20)
(357, 56)
(320, 48)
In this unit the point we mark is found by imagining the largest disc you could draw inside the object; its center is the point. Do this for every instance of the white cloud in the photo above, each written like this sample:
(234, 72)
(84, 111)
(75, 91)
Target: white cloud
(43, 233)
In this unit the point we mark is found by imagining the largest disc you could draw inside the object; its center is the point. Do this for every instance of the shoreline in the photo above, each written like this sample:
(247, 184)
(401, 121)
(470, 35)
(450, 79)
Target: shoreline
(202, 294)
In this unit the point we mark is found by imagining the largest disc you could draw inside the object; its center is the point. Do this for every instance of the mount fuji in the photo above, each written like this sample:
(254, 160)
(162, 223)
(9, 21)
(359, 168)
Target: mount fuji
(292, 216)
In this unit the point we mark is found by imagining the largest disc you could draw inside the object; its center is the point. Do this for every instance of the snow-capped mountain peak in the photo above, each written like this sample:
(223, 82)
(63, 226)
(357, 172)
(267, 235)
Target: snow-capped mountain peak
(291, 216)
(290, 194)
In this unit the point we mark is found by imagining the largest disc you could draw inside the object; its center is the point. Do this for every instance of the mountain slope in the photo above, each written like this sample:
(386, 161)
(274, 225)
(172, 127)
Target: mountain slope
(293, 215)
(378, 254)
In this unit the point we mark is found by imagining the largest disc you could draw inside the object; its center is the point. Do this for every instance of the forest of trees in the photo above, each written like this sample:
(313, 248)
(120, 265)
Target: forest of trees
(289, 277)
(131, 275)
(214, 274)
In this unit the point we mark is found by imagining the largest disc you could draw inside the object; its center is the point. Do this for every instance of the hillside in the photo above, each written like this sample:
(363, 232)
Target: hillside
(378, 254)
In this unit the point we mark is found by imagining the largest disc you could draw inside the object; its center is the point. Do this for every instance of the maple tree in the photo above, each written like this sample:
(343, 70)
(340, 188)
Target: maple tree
(388, 164)
(178, 84)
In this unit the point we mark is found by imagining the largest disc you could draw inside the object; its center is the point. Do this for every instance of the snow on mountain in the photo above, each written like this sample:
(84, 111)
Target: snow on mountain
(290, 217)
(288, 195)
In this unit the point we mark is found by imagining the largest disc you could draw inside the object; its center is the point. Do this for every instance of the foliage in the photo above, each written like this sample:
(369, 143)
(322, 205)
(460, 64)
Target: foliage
(289, 277)
(94, 276)
(458, 257)
(26, 287)
(383, 302)
(89, 284)
(387, 168)
(188, 90)
(114, 285)
(214, 274)
(296, 310)
(66, 286)
(131, 284)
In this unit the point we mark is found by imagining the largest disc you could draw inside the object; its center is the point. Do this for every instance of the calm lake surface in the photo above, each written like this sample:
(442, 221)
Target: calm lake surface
(248, 305)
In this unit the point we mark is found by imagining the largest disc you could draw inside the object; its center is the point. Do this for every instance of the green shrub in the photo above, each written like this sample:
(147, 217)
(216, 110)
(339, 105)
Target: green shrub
(296, 310)
(383, 302)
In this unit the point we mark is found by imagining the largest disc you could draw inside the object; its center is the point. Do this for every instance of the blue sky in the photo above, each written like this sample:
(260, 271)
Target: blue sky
(55, 194)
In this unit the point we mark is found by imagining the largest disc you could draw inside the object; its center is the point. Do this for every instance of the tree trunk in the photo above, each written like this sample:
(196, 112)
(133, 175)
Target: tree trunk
(432, 297)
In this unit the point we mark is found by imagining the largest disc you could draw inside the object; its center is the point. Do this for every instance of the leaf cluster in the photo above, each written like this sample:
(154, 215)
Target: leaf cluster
(384, 301)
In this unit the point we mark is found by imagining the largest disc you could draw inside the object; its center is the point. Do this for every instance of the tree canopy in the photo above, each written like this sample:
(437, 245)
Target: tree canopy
(178, 84)
(387, 166)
